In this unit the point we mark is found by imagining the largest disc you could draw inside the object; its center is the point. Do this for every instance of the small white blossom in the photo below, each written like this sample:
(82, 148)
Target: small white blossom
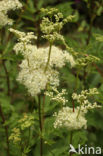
(82, 99)
(23, 37)
(59, 97)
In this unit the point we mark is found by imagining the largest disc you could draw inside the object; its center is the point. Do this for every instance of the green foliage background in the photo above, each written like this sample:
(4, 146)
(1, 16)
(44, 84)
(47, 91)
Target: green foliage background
(14, 99)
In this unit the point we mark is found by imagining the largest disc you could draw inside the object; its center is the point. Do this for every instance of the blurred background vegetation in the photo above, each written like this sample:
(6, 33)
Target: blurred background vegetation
(14, 100)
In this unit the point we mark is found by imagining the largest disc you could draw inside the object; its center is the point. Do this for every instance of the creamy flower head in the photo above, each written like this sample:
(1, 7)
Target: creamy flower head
(32, 73)
(68, 119)
(5, 20)
(36, 80)
(22, 36)
(5, 6)
(58, 57)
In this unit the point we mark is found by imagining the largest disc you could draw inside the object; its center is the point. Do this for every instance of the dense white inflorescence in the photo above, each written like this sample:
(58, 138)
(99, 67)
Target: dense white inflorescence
(24, 38)
(5, 6)
(68, 119)
(32, 73)
(40, 68)
(35, 80)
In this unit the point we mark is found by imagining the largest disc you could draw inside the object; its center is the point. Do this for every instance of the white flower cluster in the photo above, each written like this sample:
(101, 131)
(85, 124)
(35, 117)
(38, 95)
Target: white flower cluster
(24, 38)
(68, 119)
(35, 80)
(24, 45)
(5, 6)
(73, 120)
(33, 74)
(85, 104)
(59, 97)
(48, 26)
(52, 24)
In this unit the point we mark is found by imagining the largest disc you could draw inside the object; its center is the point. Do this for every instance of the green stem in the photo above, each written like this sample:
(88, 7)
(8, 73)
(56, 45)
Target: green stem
(46, 67)
(79, 111)
(75, 89)
(21, 147)
(43, 111)
(7, 78)
(41, 128)
(29, 136)
(6, 131)
(43, 105)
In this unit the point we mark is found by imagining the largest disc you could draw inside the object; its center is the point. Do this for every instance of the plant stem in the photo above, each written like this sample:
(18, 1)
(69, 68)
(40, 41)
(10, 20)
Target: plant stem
(43, 111)
(7, 77)
(43, 105)
(79, 109)
(29, 136)
(48, 58)
(75, 89)
(6, 130)
(92, 17)
(73, 105)
(79, 112)
(40, 123)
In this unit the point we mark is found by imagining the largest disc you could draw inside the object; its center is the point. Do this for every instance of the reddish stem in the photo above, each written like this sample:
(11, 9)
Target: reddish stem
(6, 130)
(73, 105)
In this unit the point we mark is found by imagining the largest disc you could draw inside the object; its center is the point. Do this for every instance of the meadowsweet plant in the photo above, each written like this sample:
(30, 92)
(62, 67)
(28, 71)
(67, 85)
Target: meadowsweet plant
(49, 95)
(39, 68)
(39, 72)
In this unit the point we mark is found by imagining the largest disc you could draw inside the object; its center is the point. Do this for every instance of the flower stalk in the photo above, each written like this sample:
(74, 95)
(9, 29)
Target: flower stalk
(41, 126)
(6, 131)
(46, 67)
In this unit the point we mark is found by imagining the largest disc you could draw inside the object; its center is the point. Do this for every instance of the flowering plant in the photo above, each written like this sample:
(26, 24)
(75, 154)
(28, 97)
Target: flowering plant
(48, 96)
